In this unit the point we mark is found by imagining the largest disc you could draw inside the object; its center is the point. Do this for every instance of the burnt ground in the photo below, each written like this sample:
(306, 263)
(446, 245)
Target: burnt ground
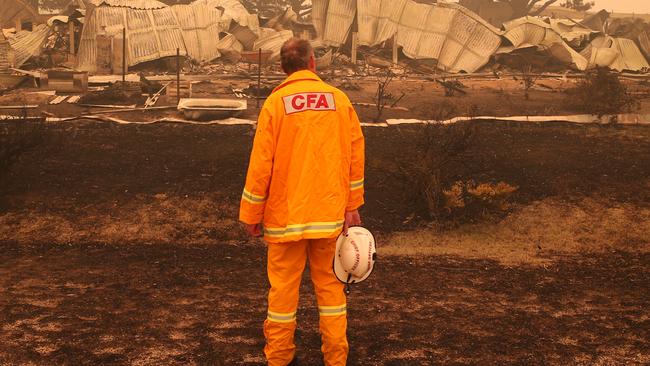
(177, 305)
(74, 292)
(91, 167)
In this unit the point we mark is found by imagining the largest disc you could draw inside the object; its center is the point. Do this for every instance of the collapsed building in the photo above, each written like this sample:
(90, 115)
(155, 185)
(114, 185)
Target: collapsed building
(462, 41)
(453, 37)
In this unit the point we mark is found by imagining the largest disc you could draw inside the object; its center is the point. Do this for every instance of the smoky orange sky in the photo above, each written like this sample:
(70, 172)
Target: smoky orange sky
(624, 6)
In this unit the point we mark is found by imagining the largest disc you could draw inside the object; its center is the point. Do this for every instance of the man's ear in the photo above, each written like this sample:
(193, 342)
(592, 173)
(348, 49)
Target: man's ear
(312, 63)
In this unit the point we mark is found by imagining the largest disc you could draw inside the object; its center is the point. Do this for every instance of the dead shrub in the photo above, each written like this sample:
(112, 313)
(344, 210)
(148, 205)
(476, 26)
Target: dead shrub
(601, 92)
(438, 147)
(17, 137)
(477, 199)
(383, 96)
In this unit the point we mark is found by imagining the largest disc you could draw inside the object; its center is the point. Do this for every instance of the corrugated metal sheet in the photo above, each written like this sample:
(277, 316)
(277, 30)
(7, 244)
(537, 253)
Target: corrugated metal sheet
(272, 40)
(619, 54)
(27, 44)
(133, 4)
(151, 34)
(201, 25)
(459, 39)
(572, 33)
(368, 12)
(5, 47)
(534, 32)
(234, 10)
(390, 16)
(377, 20)
(340, 15)
(644, 42)
(319, 16)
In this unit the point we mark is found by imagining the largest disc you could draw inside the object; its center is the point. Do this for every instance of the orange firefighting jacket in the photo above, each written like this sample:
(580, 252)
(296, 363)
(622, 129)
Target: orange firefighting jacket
(307, 165)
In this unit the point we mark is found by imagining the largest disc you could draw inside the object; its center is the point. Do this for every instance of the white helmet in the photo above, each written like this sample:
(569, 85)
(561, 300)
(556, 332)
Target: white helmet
(355, 255)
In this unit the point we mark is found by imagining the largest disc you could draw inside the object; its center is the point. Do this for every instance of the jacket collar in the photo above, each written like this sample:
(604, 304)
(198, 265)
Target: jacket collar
(298, 76)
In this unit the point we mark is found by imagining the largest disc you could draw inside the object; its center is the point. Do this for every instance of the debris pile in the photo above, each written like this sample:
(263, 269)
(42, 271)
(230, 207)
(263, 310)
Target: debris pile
(449, 36)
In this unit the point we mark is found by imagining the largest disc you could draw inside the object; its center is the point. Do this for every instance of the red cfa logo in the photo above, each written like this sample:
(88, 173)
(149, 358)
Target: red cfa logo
(309, 102)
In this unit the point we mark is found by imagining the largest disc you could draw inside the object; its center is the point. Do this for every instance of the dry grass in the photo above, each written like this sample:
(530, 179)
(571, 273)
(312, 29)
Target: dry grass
(557, 227)
(535, 233)
(163, 219)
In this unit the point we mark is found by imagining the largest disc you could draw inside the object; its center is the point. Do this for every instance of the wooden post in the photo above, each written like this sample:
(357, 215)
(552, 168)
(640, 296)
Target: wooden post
(355, 41)
(19, 25)
(124, 57)
(395, 51)
(178, 75)
(71, 35)
(259, 77)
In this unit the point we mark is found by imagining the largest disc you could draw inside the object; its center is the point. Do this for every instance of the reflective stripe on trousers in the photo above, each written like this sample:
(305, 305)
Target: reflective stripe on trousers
(286, 263)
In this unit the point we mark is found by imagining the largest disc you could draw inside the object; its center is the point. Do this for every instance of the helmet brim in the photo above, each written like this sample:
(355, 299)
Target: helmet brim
(339, 272)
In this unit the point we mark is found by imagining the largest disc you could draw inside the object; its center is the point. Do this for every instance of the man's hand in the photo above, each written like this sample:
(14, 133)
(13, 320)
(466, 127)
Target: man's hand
(254, 230)
(352, 218)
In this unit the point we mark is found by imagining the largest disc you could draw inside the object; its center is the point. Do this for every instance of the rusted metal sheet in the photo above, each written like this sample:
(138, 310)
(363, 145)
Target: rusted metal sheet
(459, 39)
(201, 25)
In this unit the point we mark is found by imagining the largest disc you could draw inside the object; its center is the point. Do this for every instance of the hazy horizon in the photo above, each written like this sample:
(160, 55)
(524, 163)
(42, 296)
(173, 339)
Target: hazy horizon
(621, 6)
(624, 6)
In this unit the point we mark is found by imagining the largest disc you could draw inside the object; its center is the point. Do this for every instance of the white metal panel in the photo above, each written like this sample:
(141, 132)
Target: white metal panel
(389, 18)
(340, 15)
(456, 37)
(273, 41)
(133, 4)
(530, 31)
(151, 34)
(319, 16)
(234, 10)
(27, 44)
(368, 12)
(201, 25)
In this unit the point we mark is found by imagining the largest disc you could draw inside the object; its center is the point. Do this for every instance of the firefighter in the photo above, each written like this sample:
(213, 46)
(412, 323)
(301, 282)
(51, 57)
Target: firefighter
(304, 186)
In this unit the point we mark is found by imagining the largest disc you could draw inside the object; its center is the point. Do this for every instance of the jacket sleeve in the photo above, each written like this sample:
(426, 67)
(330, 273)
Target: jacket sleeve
(357, 162)
(253, 200)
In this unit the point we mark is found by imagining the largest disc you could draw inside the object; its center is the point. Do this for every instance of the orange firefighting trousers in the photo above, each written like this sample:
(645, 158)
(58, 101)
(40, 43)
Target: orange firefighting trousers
(286, 263)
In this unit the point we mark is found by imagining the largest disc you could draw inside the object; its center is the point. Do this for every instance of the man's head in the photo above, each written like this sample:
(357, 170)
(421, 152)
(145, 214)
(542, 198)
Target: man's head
(296, 55)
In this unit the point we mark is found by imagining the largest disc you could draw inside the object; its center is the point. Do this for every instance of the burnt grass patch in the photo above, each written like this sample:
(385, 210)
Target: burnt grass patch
(89, 164)
(174, 305)
(166, 303)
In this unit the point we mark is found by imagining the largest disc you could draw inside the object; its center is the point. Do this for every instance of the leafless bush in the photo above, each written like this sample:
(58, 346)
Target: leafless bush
(439, 146)
(382, 97)
(528, 79)
(16, 138)
(601, 92)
